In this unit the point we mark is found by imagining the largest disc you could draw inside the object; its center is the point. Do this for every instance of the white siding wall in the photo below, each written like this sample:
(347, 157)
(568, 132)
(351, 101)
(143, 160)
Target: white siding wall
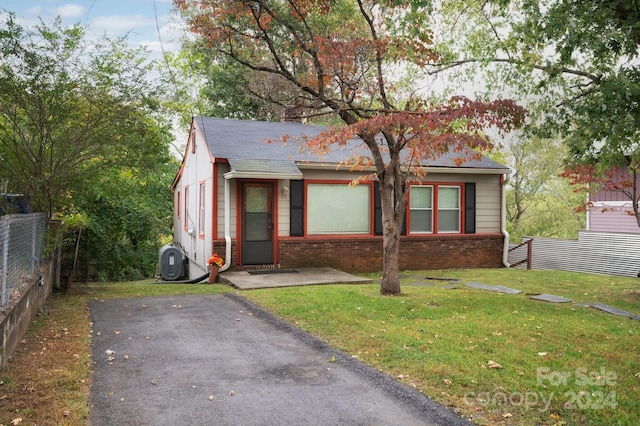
(197, 170)
(488, 199)
(222, 169)
(284, 197)
(177, 217)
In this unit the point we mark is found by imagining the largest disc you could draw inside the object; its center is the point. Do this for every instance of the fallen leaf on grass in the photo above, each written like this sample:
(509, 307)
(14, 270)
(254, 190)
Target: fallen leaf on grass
(507, 415)
(16, 421)
(446, 381)
(493, 364)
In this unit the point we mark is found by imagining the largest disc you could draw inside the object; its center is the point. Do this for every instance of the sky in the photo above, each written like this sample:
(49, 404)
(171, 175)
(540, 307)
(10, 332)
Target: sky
(152, 23)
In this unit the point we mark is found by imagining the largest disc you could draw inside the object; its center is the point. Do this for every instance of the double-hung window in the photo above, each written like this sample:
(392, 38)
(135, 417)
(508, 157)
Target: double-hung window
(449, 209)
(421, 210)
(434, 207)
(338, 208)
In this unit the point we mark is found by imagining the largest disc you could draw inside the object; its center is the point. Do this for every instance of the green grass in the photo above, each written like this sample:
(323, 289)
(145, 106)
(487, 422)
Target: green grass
(441, 342)
(437, 340)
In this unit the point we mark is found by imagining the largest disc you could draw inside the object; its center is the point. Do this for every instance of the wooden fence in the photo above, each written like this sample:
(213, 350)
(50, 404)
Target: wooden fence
(593, 252)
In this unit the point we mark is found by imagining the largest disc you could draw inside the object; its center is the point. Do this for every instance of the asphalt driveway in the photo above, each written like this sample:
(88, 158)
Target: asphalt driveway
(220, 360)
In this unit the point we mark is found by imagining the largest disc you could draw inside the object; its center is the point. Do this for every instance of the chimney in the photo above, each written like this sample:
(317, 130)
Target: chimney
(291, 115)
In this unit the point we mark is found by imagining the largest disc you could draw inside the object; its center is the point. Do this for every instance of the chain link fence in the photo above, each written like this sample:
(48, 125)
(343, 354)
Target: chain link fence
(22, 242)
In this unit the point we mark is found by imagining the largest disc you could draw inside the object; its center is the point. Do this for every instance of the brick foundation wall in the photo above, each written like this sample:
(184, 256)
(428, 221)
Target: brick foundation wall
(365, 254)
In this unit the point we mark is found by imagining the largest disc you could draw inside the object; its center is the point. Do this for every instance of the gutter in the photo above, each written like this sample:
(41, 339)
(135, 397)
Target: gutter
(503, 220)
(227, 226)
(430, 169)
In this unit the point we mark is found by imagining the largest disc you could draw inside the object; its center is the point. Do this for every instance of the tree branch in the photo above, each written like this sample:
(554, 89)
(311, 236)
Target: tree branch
(596, 79)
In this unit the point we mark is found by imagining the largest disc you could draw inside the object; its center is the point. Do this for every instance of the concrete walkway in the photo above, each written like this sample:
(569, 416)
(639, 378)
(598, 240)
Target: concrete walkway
(220, 360)
(271, 278)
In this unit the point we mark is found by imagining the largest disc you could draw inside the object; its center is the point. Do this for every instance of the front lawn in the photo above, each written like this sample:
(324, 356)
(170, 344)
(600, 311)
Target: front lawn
(494, 358)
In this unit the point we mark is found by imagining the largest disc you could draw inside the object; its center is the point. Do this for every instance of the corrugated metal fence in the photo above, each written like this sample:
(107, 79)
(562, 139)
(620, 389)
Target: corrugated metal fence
(22, 241)
(593, 252)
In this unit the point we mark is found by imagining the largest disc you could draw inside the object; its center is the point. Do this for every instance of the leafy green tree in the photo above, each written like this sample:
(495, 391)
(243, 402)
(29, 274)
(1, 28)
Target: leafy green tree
(232, 91)
(344, 58)
(537, 164)
(81, 133)
(67, 106)
(574, 60)
(128, 210)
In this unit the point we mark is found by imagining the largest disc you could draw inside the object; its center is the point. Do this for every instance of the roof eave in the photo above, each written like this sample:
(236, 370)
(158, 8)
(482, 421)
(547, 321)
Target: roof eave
(433, 169)
(261, 175)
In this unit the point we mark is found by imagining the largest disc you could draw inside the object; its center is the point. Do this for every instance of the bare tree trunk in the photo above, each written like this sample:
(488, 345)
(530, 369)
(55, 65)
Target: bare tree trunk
(390, 284)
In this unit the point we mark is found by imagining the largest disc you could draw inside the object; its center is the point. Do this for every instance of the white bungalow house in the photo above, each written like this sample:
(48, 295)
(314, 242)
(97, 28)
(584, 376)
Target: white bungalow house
(270, 205)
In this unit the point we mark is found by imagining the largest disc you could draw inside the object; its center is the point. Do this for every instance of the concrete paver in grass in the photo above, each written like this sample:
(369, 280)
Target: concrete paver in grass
(611, 310)
(551, 298)
(496, 288)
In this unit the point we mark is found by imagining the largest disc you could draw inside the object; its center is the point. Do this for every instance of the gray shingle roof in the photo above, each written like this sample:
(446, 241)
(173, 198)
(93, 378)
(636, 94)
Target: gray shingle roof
(244, 142)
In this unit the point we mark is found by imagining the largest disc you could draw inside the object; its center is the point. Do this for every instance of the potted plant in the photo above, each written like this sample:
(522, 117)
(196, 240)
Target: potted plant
(214, 262)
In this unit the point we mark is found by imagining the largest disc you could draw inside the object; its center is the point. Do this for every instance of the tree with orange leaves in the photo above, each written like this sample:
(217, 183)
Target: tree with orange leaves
(346, 58)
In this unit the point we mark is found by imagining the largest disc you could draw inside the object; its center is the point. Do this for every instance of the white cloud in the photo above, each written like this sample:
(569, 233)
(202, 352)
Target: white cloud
(36, 10)
(70, 11)
(121, 24)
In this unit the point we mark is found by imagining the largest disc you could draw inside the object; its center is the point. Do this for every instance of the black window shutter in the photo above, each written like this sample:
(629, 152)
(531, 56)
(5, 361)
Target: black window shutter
(470, 208)
(297, 208)
(403, 231)
(377, 212)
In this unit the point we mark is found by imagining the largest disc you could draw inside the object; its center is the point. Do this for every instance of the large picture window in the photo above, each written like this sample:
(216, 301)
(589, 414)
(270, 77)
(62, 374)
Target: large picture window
(434, 207)
(338, 209)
